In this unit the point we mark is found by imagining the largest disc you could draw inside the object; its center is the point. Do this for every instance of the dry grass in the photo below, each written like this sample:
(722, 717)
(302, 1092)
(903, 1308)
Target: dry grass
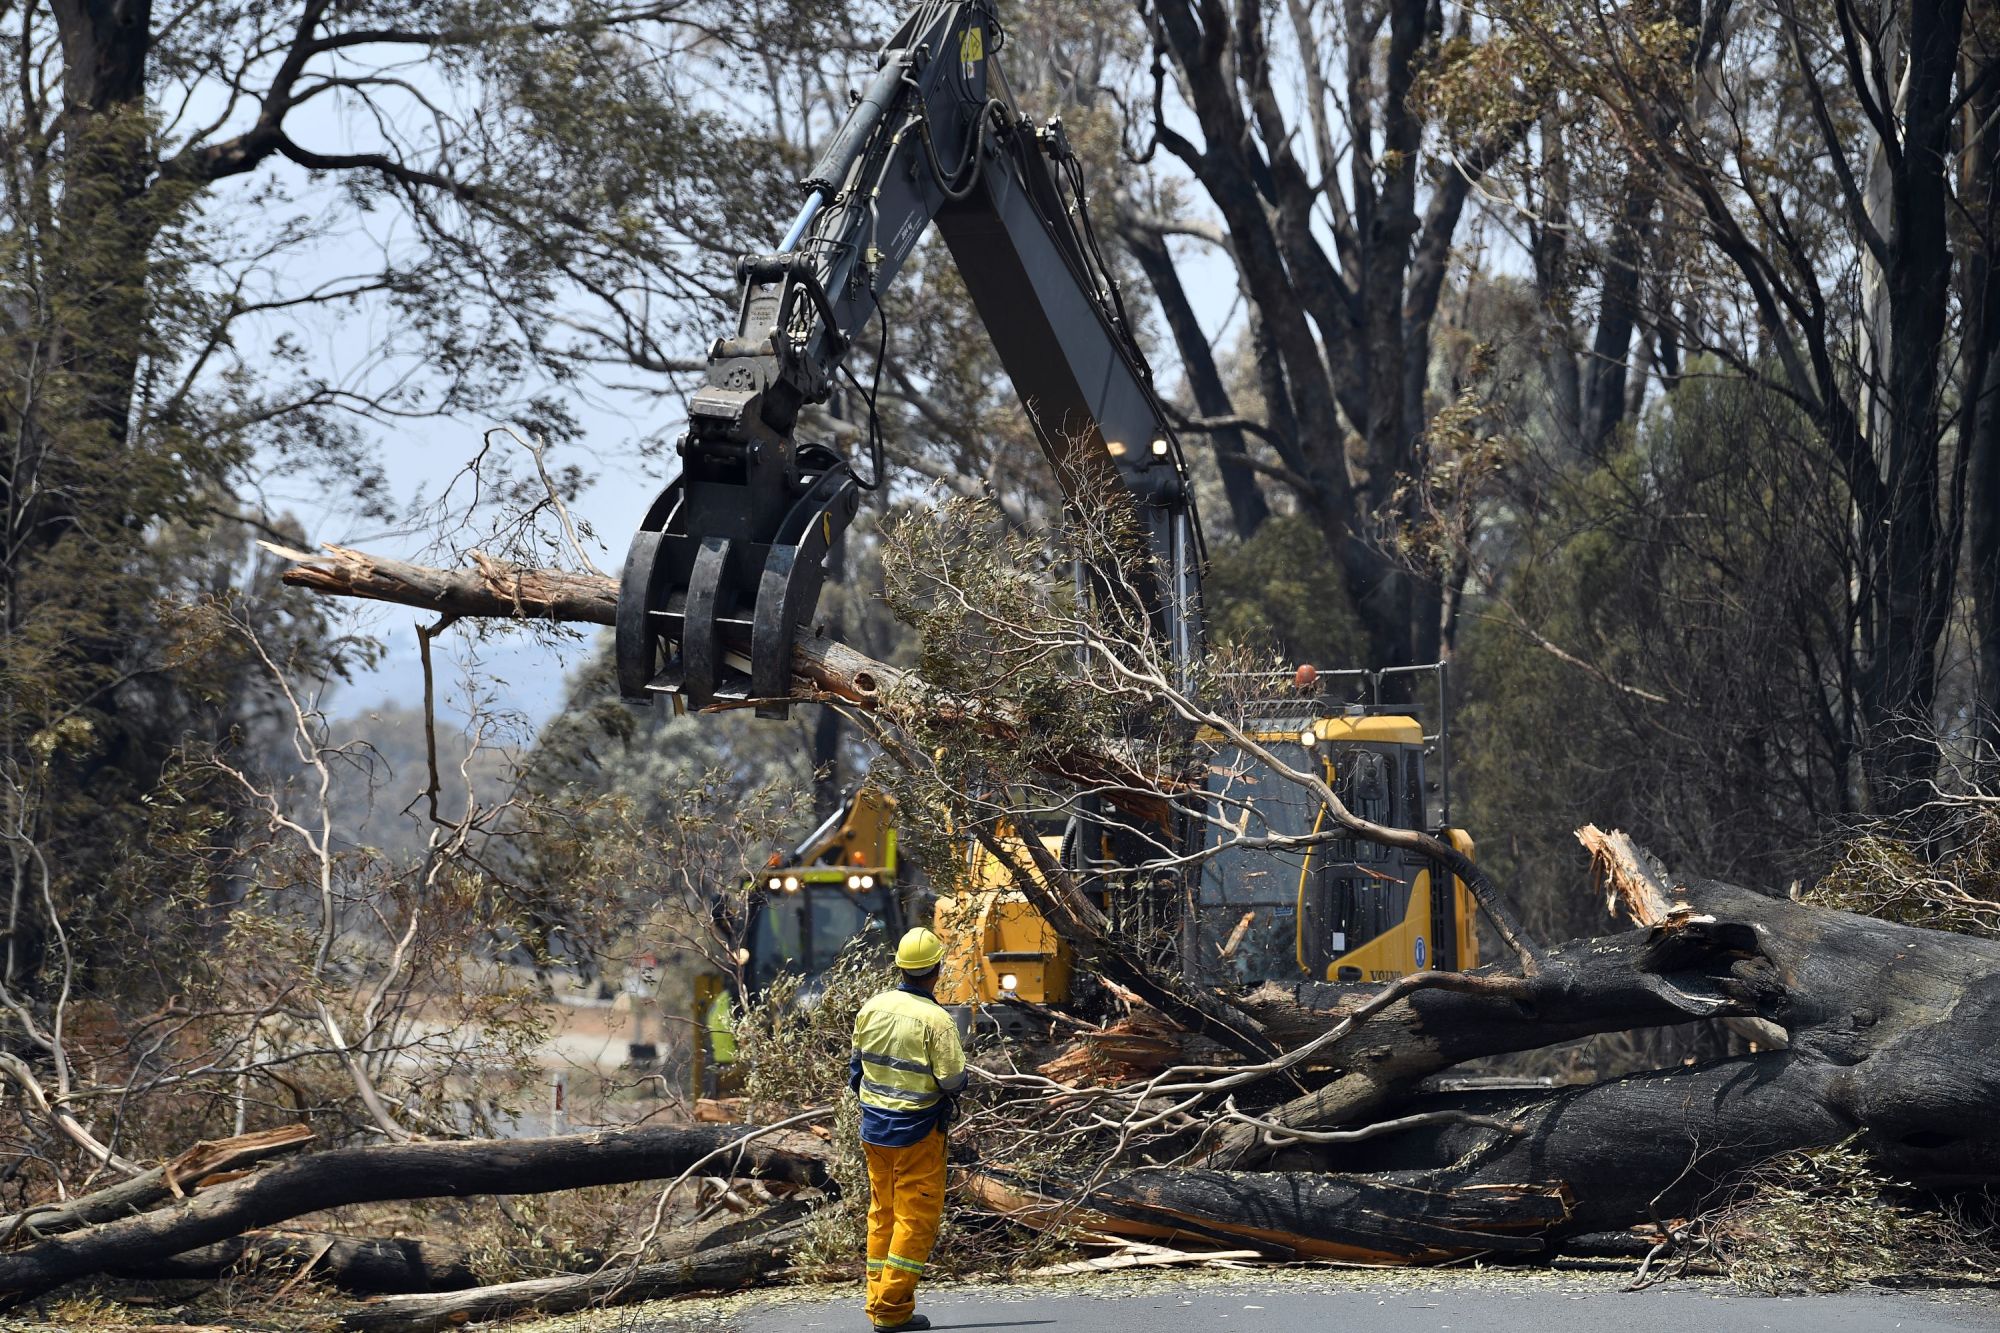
(1826, 1220)
(1948, 880)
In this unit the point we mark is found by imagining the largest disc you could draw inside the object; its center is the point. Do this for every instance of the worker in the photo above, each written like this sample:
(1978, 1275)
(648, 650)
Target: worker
(908, 1068)
(722, 1028)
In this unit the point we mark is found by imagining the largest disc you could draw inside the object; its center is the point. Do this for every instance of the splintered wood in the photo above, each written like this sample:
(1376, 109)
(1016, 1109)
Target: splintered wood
(1634, 884)
(1134, 1047)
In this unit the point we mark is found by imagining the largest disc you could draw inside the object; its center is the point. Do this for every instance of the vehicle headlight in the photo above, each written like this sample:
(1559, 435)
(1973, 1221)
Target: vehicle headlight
(1308, 739)
(1009, 982)
(791, 884)
(867, 881)
(854, 881)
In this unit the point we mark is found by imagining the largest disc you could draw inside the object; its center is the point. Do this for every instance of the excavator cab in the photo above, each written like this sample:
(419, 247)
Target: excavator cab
(1331, 908)
(837, 884)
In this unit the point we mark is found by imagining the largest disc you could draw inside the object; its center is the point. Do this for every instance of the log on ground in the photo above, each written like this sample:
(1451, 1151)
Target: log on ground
(737, 1263)
(364, 1265)
(409, 1171)
(1291, 1214)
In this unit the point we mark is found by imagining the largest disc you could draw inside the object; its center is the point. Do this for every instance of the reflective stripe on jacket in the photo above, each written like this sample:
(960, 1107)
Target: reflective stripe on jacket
(908, 1051)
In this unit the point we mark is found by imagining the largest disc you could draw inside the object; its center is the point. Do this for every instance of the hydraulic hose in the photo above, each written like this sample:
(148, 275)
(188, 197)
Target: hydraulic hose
(955, 189)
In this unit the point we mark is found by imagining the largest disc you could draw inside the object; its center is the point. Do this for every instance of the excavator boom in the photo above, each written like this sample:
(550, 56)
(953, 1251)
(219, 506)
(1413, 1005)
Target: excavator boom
(726, 570)
(727, 567)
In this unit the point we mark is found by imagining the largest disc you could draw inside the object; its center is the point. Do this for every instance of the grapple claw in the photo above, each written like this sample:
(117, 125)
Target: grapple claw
(705, 582)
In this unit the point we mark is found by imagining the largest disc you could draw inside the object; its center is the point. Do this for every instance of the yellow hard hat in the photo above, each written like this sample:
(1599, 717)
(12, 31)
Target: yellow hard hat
(920, 950)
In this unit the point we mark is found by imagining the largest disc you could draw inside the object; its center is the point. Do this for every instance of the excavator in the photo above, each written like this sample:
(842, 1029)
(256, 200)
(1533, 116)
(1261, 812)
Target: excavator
(794, 917)
(724, 574)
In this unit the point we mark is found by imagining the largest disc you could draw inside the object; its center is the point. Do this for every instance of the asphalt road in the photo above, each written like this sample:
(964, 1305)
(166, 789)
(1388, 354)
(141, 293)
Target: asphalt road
(1362, 1307)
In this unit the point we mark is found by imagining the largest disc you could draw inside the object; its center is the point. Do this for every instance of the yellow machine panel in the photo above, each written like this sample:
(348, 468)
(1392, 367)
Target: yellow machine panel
(1380, 728)
(992, 936)
(856, 849)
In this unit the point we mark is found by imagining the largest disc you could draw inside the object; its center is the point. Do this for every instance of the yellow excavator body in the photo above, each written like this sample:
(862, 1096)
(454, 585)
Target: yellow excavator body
(1352, 910)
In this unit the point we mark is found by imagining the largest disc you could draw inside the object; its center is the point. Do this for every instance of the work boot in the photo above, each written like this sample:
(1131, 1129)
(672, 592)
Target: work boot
(910, 1325)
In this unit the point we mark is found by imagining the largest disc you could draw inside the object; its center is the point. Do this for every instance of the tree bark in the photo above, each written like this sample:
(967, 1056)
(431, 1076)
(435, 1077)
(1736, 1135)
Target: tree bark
(1983, 567)
(1979, 181)
(365, 1265)
(409, 1265)
(1247, 508)
(1603, 398)
(1291, 1214)
(185, 1172)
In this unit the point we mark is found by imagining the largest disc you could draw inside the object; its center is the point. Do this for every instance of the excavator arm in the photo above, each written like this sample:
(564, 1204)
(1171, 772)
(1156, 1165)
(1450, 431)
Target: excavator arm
(727, 567)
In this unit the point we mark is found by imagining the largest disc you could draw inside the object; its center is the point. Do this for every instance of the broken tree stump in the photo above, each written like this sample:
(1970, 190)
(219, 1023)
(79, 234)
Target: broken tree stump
(184, 1173)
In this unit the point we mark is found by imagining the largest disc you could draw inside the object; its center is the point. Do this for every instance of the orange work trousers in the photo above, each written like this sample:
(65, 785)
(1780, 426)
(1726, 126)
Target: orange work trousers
(905, 1201)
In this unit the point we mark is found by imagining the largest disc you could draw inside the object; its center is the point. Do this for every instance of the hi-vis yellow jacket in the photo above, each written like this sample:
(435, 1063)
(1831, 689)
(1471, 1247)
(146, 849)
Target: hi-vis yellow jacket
(907, 1054)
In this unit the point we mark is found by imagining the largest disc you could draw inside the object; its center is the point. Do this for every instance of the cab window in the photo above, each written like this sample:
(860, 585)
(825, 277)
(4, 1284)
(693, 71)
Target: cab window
(1279, 807)
(836, 919)
(776, 946)
(1366, 781)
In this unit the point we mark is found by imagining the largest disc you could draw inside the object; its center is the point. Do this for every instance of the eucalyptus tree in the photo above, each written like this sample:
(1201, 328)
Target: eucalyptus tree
(237, 240)
(1823, 175)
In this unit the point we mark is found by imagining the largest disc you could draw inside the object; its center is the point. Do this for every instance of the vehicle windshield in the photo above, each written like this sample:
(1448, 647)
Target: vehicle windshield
(1249, 894)
(776, 942)
(836, 919)
(804, 932)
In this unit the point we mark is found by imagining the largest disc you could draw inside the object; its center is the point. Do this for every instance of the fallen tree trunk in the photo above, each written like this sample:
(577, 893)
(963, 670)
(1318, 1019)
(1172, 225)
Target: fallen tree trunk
(365, 1265)
(409, 1265)
(201, 1162)
(408, 1171)
(1292, 1214)
(1672, 972)
(1889, 1037)
(823, 670)
(720, 1267)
